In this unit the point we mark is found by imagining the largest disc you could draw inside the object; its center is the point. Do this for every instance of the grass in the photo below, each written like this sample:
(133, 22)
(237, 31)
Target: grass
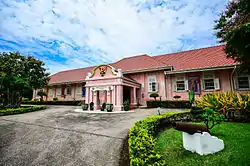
(236, 137)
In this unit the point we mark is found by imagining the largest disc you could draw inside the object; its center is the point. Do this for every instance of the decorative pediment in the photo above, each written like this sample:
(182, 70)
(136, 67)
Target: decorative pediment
(103, 71)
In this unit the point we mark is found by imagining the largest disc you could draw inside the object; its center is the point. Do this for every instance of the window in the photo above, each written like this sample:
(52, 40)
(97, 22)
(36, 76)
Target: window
(78, 90)
(83, 91)
(210, 82)
(50, 92)
(152, 84)
(180, 83)
(68, 90)
(243, 82)
(58, 92)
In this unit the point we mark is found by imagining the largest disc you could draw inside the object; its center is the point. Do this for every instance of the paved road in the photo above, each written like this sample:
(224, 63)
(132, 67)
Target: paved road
(59, 136)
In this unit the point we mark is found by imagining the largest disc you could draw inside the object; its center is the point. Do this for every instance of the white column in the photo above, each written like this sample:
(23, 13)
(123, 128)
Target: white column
(87, 95)
(108, 96)
(113, 96)
(119, 98)
(134, 95)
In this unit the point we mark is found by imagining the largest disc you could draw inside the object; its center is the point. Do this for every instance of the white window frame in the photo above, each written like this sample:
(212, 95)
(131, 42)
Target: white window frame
(216, 81)
(237, 82)
(180, 78)
(50, 92)
(152, 80)
(58, 91)
(66, 91)
(79, 90)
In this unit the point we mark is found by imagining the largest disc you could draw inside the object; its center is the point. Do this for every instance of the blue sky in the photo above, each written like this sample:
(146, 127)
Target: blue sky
(68, 34)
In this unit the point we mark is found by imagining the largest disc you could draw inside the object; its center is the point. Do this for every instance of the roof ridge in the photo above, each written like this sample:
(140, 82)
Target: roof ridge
(114, 63)
(190, 50)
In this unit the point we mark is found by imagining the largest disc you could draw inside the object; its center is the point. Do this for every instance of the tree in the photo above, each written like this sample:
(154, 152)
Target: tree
(234, 29)
(18, 74)
(41, 93)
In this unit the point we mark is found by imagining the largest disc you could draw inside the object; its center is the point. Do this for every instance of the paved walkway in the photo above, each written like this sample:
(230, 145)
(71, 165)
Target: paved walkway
(60, 136)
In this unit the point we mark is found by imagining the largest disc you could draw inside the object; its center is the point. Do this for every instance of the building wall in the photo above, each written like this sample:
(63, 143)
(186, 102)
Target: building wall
(142, 78)
(165, 86)
(73, 96)
(224, 82)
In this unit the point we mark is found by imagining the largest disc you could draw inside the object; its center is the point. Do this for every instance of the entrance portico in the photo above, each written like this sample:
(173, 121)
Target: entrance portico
(105, 84)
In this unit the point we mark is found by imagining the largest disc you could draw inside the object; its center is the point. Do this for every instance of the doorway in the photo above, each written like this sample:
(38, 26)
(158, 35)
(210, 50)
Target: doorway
(126, 93)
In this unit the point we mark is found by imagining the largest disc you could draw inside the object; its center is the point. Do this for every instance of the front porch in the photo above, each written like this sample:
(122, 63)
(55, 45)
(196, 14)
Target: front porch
(111, 87)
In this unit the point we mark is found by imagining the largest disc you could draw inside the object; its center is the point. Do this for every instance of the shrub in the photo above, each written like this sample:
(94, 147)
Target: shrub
(64, 102)
(21, 110)
(226, 102)
(209, 116)
(126, 105)
(91, 105)
(55, 99)
(36, 100)
(154, 95)
(81, 102)
(41, 94)
(142, 142)
(26, 99)
(168, 104)
(103, 106)
(177, 97)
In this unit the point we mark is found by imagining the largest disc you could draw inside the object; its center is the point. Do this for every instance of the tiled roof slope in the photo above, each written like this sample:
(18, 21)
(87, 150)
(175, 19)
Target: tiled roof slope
(192, 59)
(74, 75)
(198, 58)
(137, 63)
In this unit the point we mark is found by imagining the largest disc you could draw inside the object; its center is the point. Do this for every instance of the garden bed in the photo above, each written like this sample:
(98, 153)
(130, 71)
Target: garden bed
(20, 110)
(236, 138)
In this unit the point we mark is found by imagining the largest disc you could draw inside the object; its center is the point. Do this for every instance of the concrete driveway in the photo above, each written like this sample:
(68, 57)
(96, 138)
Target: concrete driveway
(59, 136)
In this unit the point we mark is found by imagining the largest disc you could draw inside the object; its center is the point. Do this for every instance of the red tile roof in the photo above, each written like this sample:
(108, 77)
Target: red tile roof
(137, 63)
(198, 58)
(192, 59)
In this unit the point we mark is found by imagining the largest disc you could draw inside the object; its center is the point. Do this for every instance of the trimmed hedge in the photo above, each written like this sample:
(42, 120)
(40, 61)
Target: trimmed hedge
(13, 111)
(142, 141)
(59, 102)
(168, 104)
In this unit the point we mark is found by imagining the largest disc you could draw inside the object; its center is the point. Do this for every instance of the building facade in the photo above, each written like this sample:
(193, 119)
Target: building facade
(202, 70)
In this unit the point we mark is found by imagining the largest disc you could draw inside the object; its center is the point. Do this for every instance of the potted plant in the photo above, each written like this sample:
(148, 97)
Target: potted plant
(103, 106)
(91, 105)
(84, 105)
(109, 107)
(126, 105)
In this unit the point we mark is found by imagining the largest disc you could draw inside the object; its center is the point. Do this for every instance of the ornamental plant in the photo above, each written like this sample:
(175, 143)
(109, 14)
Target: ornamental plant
(154, 95)
(211, 118)
(91, 105)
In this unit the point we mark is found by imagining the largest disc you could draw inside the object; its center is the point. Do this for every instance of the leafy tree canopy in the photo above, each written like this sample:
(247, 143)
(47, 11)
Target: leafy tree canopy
(19, 74)
(234, 29)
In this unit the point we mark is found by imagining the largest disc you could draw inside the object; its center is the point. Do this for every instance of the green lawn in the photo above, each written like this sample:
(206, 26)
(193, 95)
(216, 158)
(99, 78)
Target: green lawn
(236, 137)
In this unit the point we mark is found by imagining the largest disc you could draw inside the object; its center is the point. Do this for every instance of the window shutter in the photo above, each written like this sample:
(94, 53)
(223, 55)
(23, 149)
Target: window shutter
(156, 87)
(186, 84)
(216, 84)
(174, 86)
(149, 87)
(65, 91)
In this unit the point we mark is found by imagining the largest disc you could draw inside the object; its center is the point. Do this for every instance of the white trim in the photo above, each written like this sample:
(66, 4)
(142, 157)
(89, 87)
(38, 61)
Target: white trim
(236, 83)
(201, 69)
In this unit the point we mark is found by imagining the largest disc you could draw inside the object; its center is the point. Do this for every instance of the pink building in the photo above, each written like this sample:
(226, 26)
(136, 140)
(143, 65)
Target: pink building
(135, 78)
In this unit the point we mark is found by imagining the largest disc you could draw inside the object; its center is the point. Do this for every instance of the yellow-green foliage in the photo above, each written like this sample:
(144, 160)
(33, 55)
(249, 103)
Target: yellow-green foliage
(223, 102)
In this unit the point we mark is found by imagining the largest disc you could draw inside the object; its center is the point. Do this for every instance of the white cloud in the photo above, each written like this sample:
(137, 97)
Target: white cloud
(107, 30)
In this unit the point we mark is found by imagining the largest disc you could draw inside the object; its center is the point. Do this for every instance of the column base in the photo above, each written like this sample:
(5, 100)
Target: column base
(118, 108)
(133, 105)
